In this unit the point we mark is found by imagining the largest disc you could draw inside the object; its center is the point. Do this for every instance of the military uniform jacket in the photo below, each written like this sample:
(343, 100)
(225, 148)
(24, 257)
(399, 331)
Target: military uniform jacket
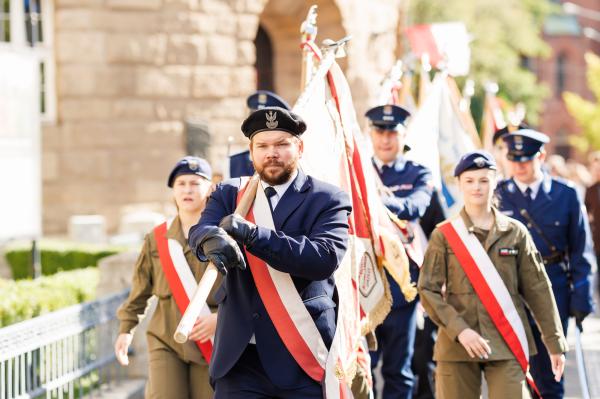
(149, 279)
(559, 213)
(309, 242)
(457, 307)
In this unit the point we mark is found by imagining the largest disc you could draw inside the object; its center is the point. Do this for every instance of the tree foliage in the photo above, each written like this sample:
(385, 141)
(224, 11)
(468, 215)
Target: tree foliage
(587, 113)
(504, 34)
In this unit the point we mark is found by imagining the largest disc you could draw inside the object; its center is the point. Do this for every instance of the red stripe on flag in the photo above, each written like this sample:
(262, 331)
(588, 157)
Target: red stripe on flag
(181, 298)
(422, 42)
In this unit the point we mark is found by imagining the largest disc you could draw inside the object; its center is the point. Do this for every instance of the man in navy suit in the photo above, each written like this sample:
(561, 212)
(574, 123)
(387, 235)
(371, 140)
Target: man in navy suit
(411, 188)
(250, 359)
(556, 219)
(240, 164)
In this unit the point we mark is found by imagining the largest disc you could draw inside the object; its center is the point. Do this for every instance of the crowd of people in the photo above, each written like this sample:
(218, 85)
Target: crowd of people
(497, 285)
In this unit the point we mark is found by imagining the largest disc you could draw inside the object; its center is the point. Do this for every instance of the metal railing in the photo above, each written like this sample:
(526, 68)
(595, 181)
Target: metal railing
(63, 354)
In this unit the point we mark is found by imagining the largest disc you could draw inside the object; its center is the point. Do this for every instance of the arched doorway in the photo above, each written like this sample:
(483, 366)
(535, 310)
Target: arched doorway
(264, 60)
(278, 53)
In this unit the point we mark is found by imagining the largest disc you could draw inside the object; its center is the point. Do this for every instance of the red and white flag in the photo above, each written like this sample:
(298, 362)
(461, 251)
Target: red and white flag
(335, 151)
(446, 44)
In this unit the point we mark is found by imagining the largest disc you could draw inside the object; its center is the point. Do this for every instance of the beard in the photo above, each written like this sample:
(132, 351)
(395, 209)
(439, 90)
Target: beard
(280, 177)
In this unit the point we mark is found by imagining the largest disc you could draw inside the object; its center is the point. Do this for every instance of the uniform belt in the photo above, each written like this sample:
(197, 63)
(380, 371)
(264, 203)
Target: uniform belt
(556, 257)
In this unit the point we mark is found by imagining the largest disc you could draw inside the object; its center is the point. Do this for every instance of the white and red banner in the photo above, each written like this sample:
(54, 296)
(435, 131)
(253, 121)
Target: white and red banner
(493, 118)
(180, 277)
(490, 289)
(446, 44)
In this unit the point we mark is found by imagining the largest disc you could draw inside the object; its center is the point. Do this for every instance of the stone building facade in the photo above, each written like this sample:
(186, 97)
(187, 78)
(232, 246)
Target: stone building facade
(132, 75)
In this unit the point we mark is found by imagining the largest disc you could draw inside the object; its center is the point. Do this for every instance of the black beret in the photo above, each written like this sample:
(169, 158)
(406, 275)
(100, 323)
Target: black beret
(190, 166)
(387, 116)
(475, 160)
(498, 134)
(273, 118)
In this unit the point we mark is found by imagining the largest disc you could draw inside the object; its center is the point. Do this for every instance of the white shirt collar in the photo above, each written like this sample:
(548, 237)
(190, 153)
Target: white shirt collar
(280, 189)
(379, 163)
(535, 186)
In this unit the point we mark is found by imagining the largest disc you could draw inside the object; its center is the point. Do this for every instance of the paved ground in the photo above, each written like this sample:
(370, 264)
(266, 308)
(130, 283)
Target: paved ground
(591, 347)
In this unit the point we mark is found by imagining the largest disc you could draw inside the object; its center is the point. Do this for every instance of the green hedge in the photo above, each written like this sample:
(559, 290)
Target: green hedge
(56, 256)
(24, 299)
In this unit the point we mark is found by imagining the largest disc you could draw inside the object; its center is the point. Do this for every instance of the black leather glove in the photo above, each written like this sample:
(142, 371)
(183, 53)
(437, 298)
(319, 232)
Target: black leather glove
(579, 317)
(222, 250)
(239, 228)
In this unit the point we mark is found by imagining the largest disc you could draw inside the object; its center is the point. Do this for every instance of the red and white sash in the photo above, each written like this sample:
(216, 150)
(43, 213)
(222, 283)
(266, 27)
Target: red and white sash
(290, 317)
(490, 289)
(180, 277)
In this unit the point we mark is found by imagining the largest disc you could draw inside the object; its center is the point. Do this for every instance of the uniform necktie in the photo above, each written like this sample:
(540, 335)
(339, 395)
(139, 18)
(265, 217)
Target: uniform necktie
(528, 193)
(270, 192)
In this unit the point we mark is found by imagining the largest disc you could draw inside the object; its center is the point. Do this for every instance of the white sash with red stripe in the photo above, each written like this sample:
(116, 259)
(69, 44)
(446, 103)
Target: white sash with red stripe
(290, 317)
(179, 275)
(490, 289)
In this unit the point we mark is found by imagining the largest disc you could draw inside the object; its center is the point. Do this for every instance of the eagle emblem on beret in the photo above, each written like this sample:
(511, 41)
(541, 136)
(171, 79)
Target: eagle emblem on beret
(193, 164)
(271, 119)
(480, 162)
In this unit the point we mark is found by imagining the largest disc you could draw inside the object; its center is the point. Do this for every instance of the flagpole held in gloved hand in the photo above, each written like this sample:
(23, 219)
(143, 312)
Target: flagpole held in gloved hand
(210, 275)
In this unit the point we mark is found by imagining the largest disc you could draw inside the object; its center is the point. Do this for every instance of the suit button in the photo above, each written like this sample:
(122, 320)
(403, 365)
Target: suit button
(255, 316)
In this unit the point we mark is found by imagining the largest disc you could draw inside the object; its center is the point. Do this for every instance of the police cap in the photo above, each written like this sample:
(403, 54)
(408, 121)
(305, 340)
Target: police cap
(524, 145)
(387, 116)
(265, 98)
(498, 134)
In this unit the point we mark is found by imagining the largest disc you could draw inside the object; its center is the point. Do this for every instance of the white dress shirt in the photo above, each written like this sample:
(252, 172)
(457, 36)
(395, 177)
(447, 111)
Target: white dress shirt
(279, 189)
(535, 186)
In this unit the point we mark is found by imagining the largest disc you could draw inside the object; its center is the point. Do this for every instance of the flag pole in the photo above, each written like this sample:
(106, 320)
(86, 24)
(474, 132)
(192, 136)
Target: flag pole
(308, 29)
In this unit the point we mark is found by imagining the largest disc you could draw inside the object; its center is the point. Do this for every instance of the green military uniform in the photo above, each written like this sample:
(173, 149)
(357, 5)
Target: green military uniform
(457, 307)
(176, 370)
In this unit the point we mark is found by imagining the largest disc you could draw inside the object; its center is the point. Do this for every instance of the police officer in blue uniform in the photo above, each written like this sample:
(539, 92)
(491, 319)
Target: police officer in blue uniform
(499, 146)
(556, 219)
(310, 217)
(240, 164)
(411, 186)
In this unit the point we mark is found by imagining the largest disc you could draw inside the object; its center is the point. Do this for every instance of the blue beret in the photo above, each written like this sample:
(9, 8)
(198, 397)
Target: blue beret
(498, 134)
(524, 145)
(264, 98)
(387, 116)
(190, 166)
(475, 160)
(273, 118)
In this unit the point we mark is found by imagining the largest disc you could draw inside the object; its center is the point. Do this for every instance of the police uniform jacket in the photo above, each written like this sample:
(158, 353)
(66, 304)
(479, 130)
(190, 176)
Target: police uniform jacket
(309, 241)
(558, 212)
(457, 306)
(240, 164)
(411, 185)
(149, 279)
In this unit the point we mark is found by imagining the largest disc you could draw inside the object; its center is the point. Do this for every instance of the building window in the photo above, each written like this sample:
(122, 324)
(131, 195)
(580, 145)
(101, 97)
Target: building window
(25, 26)
(561, 63)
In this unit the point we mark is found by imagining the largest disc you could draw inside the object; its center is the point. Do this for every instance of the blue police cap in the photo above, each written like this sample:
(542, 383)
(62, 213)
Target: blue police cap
(190, 166)
(475, 160)
(524, 145)
(387, 116)
(265, 98)
(498, 134)
(273, 118)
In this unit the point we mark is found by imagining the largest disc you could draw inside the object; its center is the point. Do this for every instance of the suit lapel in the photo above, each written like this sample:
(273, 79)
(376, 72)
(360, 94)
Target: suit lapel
(291, 200)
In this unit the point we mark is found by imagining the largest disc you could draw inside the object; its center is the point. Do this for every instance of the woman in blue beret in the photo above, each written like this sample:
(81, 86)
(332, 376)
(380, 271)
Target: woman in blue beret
(481, 270)
(168, 269)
